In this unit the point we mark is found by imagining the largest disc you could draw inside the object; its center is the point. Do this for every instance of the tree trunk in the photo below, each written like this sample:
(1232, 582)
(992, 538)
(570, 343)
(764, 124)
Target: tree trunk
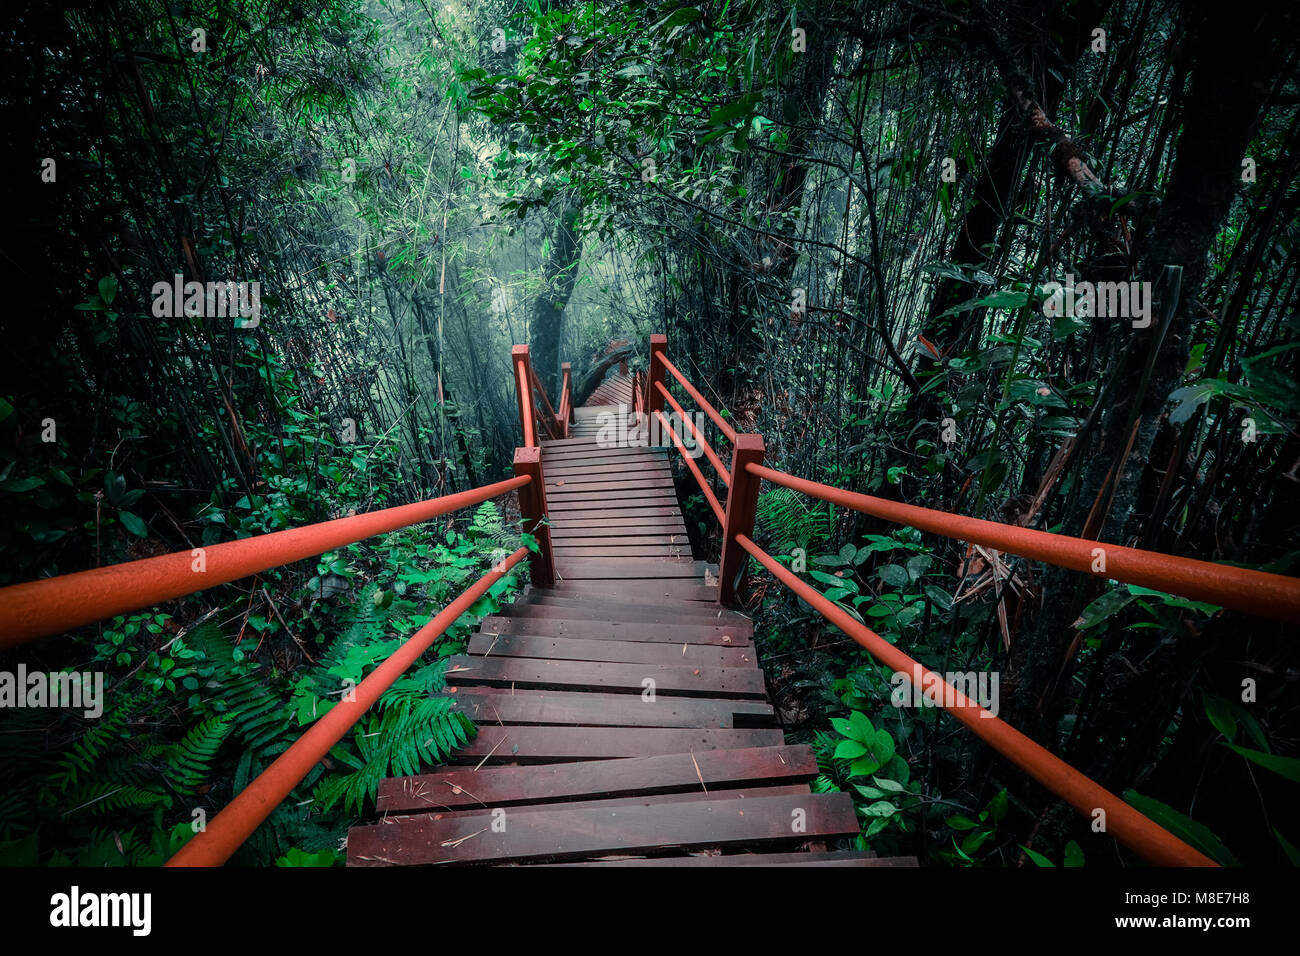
(560, 273)
(1219, 120)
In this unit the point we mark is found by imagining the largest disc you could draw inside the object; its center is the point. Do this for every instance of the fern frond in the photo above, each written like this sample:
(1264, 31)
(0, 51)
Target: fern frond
(189, 759)
(111, 797)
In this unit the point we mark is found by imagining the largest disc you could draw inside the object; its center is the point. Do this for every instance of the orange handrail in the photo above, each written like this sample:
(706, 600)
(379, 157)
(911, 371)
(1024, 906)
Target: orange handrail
(244, 814)
(54, 605)
(699, 400)
(709, 496)
(695, 433)
(1126, 824)
(1254, 592)
(549, 418)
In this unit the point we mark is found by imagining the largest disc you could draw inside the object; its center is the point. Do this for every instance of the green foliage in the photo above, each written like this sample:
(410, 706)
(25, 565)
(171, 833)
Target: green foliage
(1183, 827)
(861, 759)
(791, 521)
(110, 792)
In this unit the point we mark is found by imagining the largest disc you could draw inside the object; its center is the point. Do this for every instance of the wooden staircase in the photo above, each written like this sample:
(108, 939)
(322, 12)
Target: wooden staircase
(623, 717)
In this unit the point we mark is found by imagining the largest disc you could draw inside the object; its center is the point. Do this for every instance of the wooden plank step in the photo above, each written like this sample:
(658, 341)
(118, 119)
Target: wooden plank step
(564, 495)
(560, 596)
(494, 705)
(626, 652)
(598, 484)
(669, 566)
(559, 504)
(532, 834)
(623, 614)
(590, 410)
(645, 588)
(657, 799)
(613, 526)
(628, 468)
(628, 777)
(567, 443)
(735, 634)
(600, 456)
(548, 744)
(593, 494)
(596, 509)
(627, 551)
(616, 607)
(819, 858)
(630, 678)
(577, 538)
(611, 569)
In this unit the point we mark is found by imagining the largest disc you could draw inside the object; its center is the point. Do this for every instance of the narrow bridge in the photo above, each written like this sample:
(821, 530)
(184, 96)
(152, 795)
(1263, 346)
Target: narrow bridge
(622, 714)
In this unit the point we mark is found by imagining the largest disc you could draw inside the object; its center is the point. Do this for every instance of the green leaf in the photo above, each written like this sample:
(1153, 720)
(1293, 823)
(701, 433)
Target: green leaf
(877, 824)
(887, 784)
(1110, 603)
(895, 575)
(849, 750)
(1288, 767)
(1005, 299)
(961, 822)
(1037, 857)
(975, 840)
(297, 857)
(830, 579)
(133, 524)
(881, 808)
(864, 767)
(1183, 827)
(882, 746)
(679, 17)
(843, 727)
(1190, 398)
(1073, 854)
(731, 112)
(108, 289)
(862, 729)
(998, 807)
(21, 484)
(1220, 713)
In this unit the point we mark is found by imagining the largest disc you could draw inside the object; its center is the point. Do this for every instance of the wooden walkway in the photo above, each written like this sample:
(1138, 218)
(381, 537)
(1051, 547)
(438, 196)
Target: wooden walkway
(623, 717)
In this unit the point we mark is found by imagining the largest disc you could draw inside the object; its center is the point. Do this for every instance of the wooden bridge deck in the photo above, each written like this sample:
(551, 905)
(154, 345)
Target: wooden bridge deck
(622, 714)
